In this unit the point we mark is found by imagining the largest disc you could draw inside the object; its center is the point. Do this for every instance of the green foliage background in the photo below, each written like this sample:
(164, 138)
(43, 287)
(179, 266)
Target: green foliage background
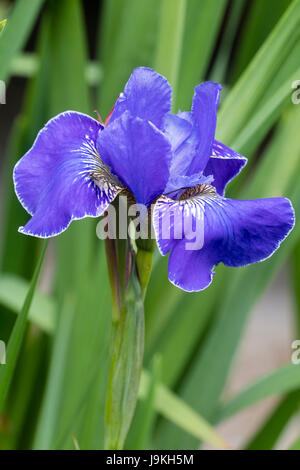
(52, 389)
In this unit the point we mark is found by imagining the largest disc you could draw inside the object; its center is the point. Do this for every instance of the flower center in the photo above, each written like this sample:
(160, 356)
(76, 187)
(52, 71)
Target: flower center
(201, 190)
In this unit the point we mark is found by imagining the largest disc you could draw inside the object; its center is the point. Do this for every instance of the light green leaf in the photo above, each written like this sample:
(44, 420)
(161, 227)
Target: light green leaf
(2, 25)
(250, 88)
(16, 32)
(262, 119)
(256, 27)
(267, 436)
(296, 445)
(15, 340)
(203, 20)
(169, 40)
(139, 437)
(13, 291)
(283, 380)
(177, 411)
(124, 25)
(46, 428)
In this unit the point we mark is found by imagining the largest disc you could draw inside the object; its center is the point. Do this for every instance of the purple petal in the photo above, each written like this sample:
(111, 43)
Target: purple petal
(234, 232)
(139, 154)
(192, 133)
(147, 95)
(224, 165)
(204, 116)
(53, 180)
(177, 183)
(179, 131)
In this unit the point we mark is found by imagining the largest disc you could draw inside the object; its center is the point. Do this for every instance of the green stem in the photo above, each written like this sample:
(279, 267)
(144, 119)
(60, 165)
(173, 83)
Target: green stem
(111, 258)
(126, 365)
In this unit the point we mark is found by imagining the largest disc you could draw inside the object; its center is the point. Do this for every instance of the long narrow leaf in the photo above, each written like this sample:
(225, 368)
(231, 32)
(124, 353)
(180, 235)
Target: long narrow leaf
(175, 410)
(16, 32)
(170, 37)
(251, 87)
(17, 335)
(279, 382)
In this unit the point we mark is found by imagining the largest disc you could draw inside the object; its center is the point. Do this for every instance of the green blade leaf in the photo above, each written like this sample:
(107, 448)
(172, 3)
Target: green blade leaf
(139, 437)
(170, 37)
(18, 28)
(249, 90)
(15, 341)
(85, 354)
(178, 412)
(283, 380)
(13, 291)
(45, 432)
(261, 19)
(203, 20)
(267, 436)
(2, 25)
(262, 120)
(225, 50)
(123, 26)
(296, 445)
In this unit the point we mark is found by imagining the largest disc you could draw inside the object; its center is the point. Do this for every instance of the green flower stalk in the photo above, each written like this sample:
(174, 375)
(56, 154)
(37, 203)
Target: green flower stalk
(127, 344)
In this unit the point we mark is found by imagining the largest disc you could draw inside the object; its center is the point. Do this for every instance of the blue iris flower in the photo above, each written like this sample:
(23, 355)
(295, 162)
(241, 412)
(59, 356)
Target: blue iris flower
(77, 167)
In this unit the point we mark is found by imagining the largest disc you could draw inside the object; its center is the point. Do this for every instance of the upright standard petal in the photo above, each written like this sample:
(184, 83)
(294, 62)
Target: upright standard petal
(224, 164)
(192, 133)
(204, 116)
(61, 178)
(139, 154)
(234, 232)
(147, 95)
(179, 132)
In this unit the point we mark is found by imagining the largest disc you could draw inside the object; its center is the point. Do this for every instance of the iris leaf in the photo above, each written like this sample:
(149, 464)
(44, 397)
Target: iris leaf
(296, 445)
(169, 40)
(139, 437)
(15, 340)
(175, 410)
(250, 88)
(269, 433)
(46, 428)
(123, 26)
(2, 25)
(203, 20)
(16, 32)
(13, 290)
(261, 19)
(281, 381)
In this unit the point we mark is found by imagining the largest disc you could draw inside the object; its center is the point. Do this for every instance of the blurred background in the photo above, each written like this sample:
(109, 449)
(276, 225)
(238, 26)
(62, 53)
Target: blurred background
(223, 354)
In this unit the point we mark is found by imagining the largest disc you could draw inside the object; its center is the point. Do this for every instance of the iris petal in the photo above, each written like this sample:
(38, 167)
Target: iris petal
(58, 181)
(147, 95)
(235, 232)
(179, 131)
(138, 153)
(192, 133)
(223, 165)
(204, 116)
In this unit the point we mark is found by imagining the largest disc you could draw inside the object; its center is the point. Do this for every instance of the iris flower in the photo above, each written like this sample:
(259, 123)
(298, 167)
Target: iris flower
(77, 167)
